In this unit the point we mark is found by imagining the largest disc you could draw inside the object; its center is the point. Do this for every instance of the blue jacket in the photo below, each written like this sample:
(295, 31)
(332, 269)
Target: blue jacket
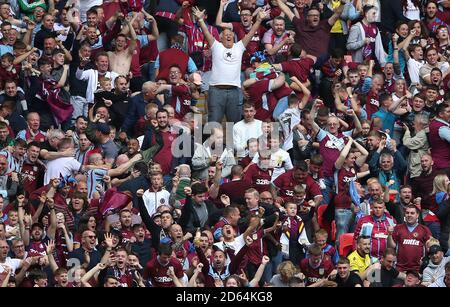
(135, 111)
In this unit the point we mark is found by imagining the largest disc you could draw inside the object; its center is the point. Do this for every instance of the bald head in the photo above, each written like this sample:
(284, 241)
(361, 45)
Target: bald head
(184, 170)
(121, 159)
(149, 89)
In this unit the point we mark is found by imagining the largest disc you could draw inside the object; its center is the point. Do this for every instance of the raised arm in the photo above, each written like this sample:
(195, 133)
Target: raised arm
(364, 154)
(114, 172)
(51, 231)
(247, 38)
(219, 16)
(285, 9)
(304, 89)
(344, 153)
(337, 13)
(312, 121)
(356, 122)
(200, 15)
(133, 42)
(259, 273)
(91, 273)
(27, 38)
(155, 31)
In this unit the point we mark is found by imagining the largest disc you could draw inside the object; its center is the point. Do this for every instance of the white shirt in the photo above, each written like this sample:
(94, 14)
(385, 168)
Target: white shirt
(288, 120)
(153, 200)
(413, 69)
(235, 245)
(13, 263)
(242, 132)
(59, 27)
(85, 5)
(280, 161)
(411, 12)
(226, 64)
(65, 166)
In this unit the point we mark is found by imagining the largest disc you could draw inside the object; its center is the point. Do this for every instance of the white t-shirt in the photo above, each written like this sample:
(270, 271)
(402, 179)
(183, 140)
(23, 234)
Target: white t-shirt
(13, 263)
(413, 69)
(412, 12)
(65, 166)
(226, 64)
(288, 120)
(236, 245)
(280, 161)
(242, 132)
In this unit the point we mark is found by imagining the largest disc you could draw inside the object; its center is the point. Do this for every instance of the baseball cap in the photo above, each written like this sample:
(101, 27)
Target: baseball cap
(434, 249)
(196, 78)
(103, 128)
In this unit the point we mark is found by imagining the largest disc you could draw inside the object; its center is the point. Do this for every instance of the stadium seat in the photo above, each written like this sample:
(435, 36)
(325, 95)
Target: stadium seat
(345, 244)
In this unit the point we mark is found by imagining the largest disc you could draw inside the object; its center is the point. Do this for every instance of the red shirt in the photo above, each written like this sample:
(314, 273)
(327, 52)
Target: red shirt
(135, 67)
(158, 273)
(299, 68)
(33, 175)
(344, 177)
(259, 179)
(264, 100)
(313, 275)
(181, 100)
(235, 190)
(342, 200)
(410, 246)
(372, 103)
(36, 248)
(253, 45)
(258, 248)
(39, 137)
(286, 184)
(164, 155)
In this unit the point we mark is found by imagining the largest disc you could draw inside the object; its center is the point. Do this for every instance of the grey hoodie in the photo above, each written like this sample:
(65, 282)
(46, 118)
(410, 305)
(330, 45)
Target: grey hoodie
(434, 271)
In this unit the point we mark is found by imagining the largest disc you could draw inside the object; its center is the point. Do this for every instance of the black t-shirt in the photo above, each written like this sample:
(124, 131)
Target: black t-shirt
(388, 278)
(352, 280)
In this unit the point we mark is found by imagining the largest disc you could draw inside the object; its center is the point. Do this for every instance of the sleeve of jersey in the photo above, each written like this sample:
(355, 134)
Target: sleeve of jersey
(248, 175)
(395, 234)
(321, 135)
(179, 270)
(279, 181)
(314, 188)
(179, 90)
(306, 65)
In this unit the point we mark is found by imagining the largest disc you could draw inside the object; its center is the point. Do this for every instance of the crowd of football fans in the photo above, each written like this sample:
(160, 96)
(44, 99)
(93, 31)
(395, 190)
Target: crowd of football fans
(224, 143)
